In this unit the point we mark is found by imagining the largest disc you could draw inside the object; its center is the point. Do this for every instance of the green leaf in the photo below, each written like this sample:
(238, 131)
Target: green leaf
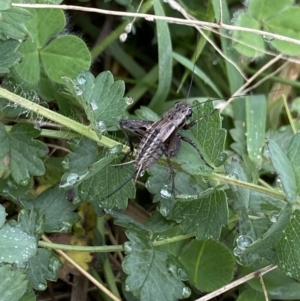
(270, 239)
(16, 245)
(8, 54)
(13, 283)
(39, 28)
(210, 264)
(5, 4)
(197, 71)
(84, 153)
(44, 265)
(209, 133)
(57, 210)
(101, 98)
(256, 112)
(104, 179)
(263, 9)
(12, 23)
(238, 135)
(246, 43)
(250, 294)
(204, 216)
(59, 58)
(2, 216)
(153, 275)
(127, 222)
(31, 222)
(294, 157)
(164, 58)
(29, 68)
(278, 285)
(30, 296)
(283, 169)
(285, 24)
(288, 247)
(24, 152)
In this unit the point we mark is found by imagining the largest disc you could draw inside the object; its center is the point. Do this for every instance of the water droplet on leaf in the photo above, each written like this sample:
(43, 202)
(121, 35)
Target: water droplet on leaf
(127, 247)
(129, 100)
(94, 105)
(65, 164)
(186, 292)
(78, 90)
(243, 241)
(24, 182)
(237, 252)
(101, 126)
(164, 211)
(166, 192)
(81, 79)
(42, 286)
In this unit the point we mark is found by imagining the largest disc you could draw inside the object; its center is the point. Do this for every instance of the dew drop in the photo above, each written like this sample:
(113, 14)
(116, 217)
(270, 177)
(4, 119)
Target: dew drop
(115, 149)
(24, 182)
(237, 252)
(41, 286)
(128, 28)
(66, 227)
(65, 164)
(123, 37)
(186, 292)
(141, 174)
(234, 175)
(78, 90)
(129, 100)
(127, 288)
(101, 126)
(244, 241)
(278, 184)
(81, 79)
(182, 275)
(127, 247)
(274, 216)
(72, 178)
(166, 192)
(268, 39)
(94, 105)
(164, 211)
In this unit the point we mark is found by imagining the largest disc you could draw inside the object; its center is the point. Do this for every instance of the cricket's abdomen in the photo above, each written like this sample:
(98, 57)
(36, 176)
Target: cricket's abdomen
(149, 150)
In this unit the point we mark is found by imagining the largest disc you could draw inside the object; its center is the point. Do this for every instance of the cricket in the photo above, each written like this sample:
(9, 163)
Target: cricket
(159, 138)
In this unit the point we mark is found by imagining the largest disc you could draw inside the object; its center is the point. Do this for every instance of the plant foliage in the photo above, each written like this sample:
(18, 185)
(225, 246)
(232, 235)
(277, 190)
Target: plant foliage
(234, 208)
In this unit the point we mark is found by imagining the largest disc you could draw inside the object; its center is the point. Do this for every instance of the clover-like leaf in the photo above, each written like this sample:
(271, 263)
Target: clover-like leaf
(204, 216)
(153, 275)
(23, 152)
(8, 54)
(44, 265)
(12, 23)
(284, 170)
(13, 283)
(57, 210)
(55, 57)
(288, 254)
(209, 264)
(104, 180)
(16, 246)
(101, 98)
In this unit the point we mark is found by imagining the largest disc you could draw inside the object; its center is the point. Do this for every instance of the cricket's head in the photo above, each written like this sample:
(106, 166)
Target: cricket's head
(179, 114)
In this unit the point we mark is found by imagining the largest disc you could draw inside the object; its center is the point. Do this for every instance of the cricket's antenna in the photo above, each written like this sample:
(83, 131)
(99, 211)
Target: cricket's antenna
(120, 187)
(193, 73)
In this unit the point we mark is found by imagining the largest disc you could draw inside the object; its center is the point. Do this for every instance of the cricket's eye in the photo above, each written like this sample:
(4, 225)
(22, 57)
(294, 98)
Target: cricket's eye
(189, 113)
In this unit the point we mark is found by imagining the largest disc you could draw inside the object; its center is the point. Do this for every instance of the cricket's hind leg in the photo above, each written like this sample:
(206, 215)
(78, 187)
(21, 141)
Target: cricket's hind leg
(193, 144)
(170, 149)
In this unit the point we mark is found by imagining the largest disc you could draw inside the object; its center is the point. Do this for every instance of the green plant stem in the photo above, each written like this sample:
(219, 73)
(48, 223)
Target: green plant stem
(231, 181)
(58, 118)
(107, 249)
(98, 49)
(110, 278)
(94, 273)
